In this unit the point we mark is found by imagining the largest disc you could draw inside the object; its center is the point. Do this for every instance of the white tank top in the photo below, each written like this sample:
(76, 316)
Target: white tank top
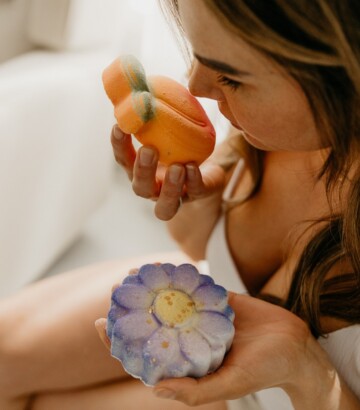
(342, 346)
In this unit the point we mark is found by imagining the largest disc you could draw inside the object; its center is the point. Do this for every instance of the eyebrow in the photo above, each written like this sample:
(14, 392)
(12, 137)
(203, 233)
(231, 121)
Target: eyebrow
(219, 66)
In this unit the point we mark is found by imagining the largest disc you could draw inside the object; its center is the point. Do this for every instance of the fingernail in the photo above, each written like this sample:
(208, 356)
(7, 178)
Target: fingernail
(165, 393)
(115, 286)
(175, 174)
(146, 156)
(99, 322)
(190, 171)
(118, 134)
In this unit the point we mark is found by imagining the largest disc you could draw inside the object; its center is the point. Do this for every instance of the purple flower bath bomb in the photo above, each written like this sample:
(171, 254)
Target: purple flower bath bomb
(167, 321)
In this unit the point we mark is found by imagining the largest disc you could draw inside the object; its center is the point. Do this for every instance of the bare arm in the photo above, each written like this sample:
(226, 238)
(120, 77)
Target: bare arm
(193, 223)
(195, 220)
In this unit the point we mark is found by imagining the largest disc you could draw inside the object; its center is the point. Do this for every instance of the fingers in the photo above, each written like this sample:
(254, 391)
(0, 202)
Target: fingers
(144, 181)
(204, 182)
(152, 180)
(195, 187)
(100, 326)
(194, 392)
(124, 151)
(169, 199)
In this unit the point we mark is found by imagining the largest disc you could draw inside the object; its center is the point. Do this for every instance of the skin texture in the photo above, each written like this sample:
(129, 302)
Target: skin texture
(45, 360)
(263, 90)
(54, 360)
(274, 114)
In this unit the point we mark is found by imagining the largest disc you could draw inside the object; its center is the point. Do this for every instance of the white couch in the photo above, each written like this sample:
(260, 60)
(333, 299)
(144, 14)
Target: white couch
(55, 159)
(55, 155)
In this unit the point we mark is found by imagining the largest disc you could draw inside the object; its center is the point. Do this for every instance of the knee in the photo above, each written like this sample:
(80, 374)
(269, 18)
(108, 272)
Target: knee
(15, 404)
(48, 401)
(13, 347)
(8, 351)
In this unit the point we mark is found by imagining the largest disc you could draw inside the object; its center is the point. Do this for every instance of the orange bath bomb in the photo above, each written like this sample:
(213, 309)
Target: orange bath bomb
(160, 112)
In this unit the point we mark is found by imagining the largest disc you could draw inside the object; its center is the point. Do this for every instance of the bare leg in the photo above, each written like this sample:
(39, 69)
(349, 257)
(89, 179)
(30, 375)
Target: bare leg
(127, 395)
(48, 341)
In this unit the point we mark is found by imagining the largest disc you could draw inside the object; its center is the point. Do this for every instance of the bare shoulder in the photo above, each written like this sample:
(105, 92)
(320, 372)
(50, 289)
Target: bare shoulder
(337, 278)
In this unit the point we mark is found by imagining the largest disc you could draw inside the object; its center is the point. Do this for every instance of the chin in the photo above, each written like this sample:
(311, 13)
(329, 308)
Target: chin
(310, 147)
(251, 140)
(256, 143)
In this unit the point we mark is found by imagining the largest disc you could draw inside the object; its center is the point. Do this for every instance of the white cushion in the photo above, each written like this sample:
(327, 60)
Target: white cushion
(72, 24)
(13, 22)
(55, 157)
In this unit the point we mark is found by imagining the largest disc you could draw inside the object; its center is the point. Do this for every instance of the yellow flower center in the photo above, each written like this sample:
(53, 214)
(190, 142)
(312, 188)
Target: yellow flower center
(173, 307)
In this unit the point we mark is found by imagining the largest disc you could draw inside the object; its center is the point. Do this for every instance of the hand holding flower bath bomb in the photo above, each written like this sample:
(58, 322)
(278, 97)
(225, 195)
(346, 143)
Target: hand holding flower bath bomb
(160, 112)
(167, 321)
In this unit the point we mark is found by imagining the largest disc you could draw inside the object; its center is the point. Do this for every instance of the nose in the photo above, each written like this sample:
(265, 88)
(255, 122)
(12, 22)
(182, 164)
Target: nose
(202, 83)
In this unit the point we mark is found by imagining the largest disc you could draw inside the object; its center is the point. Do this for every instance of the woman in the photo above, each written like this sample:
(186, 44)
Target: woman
(279, 203)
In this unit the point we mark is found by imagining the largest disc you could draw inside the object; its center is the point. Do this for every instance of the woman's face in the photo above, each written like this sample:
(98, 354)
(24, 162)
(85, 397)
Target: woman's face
(252, 91)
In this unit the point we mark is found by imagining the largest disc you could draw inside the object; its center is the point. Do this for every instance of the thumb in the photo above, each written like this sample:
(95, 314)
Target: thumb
(100, 326)
(194, 392)
(208, 181)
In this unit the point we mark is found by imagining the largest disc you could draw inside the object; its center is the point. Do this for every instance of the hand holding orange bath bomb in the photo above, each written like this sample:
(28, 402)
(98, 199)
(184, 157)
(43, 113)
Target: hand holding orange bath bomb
(159, 112)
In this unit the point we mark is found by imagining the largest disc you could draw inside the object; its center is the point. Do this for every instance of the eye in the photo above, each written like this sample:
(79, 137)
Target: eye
(228, 82)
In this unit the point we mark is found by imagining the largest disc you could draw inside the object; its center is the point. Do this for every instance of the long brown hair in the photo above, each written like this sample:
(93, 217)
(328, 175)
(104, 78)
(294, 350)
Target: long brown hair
(318, 43)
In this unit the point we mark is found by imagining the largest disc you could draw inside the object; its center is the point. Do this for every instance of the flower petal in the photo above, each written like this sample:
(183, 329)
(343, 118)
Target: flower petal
(205, 280)
(168, 268)
(216, 328)
(133, 296)
(229, 313)
(186, 278)
(131, 279)
(154, 277)
(129, 354)
(163, 358)
(163, 345)
(135, 325)
(153, 352)
(210, 297)
(217, 356)
(197, 350)
(115, 313)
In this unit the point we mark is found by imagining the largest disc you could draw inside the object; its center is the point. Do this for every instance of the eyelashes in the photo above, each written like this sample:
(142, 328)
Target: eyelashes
(228, 82)
(221, 78)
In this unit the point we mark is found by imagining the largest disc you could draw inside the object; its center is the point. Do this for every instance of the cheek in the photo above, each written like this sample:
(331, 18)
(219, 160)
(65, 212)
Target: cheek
(282, 123)
(255, 118)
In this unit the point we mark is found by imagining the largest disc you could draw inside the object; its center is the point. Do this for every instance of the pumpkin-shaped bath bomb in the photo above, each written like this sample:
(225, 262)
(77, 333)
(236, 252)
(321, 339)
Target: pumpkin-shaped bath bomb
(159, 111)
(167, 321)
